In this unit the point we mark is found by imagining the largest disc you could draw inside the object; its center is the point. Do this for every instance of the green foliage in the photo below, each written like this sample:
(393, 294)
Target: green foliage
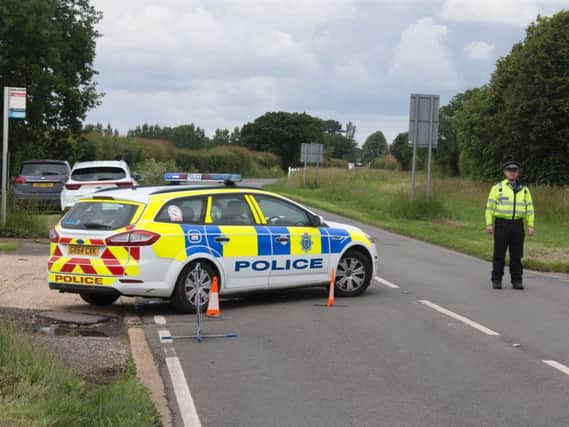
(401, 150)
(153, 171)
(281, 133)
(386, 162)
(447, 154)
(37, 390)
(27, 222)
(183, 136)
(48, 47)
(419, 209)
(522, 112)
(374, 146)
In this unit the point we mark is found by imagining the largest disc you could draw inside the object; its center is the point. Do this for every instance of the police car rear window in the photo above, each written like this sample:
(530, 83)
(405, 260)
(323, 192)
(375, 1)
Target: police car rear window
(98, 216)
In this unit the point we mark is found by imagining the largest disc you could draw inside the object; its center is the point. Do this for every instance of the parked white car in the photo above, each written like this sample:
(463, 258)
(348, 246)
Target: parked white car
(87, 178)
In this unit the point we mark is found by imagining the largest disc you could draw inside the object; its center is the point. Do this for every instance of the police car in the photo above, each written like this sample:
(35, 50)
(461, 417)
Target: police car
(147, 242)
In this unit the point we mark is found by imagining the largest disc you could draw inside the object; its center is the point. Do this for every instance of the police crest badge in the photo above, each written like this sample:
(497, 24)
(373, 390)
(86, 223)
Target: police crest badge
(306, 242)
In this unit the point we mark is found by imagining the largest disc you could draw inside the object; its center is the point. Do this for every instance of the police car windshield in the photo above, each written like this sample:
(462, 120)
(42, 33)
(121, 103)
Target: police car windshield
(98, 216)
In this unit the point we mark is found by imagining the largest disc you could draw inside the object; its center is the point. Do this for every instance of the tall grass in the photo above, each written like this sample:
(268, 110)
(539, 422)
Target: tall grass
(35, 390)
(453, 218)
(28, 222)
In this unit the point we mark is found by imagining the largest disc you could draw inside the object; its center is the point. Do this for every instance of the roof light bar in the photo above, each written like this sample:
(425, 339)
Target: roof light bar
(178, 178)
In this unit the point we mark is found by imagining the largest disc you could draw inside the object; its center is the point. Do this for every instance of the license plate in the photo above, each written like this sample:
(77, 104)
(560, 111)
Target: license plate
(83, 250)
(42, 184)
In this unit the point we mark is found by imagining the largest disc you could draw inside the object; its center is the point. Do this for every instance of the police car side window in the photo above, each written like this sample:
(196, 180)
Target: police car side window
(229, 209)
(280, 212)
(189, 210)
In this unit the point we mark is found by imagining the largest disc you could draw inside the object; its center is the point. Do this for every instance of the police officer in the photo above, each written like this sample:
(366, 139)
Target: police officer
(509, 203)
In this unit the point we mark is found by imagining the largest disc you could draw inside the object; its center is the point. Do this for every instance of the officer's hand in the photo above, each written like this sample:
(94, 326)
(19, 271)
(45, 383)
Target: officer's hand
(490, 229)
(531, 231)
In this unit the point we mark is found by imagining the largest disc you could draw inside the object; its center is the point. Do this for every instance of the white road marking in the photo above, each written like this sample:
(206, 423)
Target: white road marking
(186, 404)
(559, 366)
(456, 316)
(160, 320)
(165, 336)
(386, 283)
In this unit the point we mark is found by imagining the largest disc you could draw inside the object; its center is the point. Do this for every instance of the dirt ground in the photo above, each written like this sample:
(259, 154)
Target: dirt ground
(25, 298)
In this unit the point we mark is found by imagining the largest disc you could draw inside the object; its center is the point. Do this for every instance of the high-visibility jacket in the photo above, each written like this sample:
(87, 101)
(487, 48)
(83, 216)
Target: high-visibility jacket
(504, 202)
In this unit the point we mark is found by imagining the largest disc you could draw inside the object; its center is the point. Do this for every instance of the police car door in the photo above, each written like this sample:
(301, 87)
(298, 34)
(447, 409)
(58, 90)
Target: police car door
(232, 236)
(299, 257)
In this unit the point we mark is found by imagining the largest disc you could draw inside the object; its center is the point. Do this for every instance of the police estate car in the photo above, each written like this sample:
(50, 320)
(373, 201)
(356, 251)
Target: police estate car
(147, 241)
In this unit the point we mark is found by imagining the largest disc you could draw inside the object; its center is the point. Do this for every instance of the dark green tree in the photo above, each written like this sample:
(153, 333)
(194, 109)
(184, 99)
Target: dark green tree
(374, 146)
(402, 151)
(522, 113)
(48, 46)
(282, 133)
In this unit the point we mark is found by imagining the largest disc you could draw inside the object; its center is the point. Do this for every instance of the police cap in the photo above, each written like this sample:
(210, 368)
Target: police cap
(512, 165)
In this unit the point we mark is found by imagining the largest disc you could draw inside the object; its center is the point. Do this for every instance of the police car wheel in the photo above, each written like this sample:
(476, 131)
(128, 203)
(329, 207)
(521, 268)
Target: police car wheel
(353, 274)
(184, 298)
(99, 299)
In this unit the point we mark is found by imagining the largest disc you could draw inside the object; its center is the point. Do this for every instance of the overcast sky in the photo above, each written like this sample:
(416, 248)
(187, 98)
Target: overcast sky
(222, 63)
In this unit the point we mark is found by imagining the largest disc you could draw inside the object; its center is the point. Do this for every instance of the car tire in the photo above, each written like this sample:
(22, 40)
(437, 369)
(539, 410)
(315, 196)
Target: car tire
(353, 274)
(184, 295)
(99, 299)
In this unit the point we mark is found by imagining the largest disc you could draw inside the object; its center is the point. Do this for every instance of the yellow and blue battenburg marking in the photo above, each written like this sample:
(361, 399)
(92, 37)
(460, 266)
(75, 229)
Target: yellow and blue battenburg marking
(262, 240)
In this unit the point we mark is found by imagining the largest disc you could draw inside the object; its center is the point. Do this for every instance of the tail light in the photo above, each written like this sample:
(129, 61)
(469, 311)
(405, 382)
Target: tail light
(133, 238)
(73, 186)
(19, 180)
(53, 236)
(124, 184)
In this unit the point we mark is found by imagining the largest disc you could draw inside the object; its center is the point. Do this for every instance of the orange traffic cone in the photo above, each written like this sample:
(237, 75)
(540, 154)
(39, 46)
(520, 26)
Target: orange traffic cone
(331, 291)
(213, 303)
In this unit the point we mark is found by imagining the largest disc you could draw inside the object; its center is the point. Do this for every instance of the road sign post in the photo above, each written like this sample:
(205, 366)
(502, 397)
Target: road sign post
(14, 108)
(423, 132)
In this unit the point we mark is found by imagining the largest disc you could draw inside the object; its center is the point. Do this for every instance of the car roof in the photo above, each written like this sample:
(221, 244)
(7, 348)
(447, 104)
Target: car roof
(100, 163)
(141, 194)
(64, 162)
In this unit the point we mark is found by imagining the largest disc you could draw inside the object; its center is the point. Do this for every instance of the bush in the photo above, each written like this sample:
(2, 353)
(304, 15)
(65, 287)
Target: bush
(27, 222)
(153, 171)
(386, 162)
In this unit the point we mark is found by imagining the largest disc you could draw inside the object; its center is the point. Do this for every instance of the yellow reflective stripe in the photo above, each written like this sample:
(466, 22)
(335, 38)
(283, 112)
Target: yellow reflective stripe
(208, 219)
(492, 201)
(257, 208)
(252, 208)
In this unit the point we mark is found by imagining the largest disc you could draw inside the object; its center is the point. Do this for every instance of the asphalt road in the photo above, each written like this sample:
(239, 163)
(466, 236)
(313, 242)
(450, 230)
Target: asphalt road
(395, 356)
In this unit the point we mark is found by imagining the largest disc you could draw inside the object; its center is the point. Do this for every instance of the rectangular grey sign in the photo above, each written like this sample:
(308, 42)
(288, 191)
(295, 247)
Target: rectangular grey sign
(311, 153)
(424, 120)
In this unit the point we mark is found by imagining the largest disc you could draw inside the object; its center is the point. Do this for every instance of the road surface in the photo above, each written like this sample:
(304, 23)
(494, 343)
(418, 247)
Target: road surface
(429, 344)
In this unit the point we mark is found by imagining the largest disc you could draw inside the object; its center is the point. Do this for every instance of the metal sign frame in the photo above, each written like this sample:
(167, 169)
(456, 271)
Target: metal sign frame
(423, 132)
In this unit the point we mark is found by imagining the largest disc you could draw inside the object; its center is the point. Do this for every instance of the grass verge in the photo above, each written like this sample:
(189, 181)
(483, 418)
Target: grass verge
(9, 246)
(35, 390)
(28, 223)
(454, 219)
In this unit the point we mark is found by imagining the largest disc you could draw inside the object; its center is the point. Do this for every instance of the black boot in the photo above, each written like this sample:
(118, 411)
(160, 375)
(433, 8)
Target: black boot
(517, 285)
(496, 284)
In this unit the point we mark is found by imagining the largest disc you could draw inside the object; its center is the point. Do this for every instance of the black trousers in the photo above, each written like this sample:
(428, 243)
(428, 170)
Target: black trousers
(508, 234)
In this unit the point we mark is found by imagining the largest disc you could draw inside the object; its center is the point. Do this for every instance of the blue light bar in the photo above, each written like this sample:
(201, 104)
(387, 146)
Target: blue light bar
(181, 177)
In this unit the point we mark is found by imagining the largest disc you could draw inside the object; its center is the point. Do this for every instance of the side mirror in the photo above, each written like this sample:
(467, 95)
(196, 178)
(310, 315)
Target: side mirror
(138, 178)
(319, 221)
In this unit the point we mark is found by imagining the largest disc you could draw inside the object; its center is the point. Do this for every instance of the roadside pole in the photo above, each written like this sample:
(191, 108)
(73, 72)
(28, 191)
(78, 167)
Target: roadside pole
(4, 156)
(430, 155)
(414, 161)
